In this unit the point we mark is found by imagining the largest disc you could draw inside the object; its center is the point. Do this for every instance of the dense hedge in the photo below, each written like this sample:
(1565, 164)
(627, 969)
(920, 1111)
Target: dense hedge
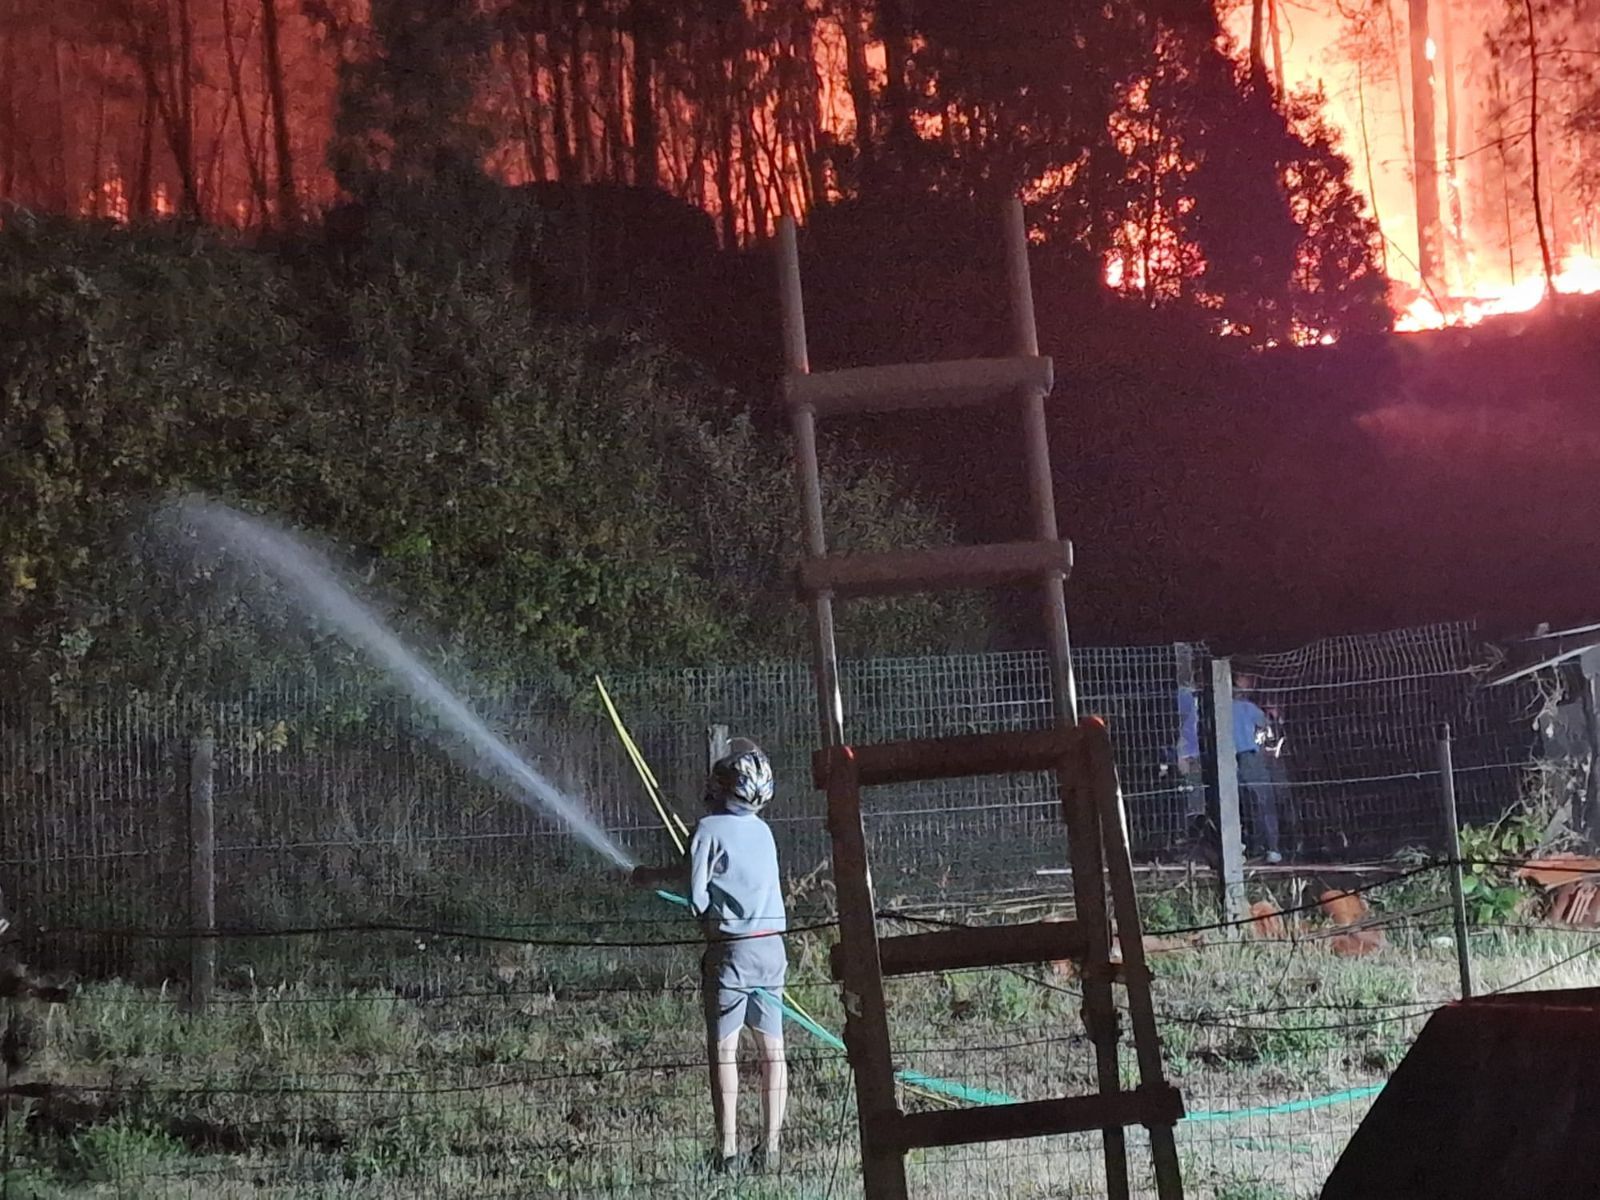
(537, 495)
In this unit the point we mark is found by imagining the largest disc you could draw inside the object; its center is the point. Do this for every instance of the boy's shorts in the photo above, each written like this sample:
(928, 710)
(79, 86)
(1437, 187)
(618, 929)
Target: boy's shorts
(741, 984)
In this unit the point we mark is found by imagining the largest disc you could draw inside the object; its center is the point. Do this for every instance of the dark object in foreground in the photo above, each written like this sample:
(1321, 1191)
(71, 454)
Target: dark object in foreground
(1495, 1101)
(18, 981)
(658, 877)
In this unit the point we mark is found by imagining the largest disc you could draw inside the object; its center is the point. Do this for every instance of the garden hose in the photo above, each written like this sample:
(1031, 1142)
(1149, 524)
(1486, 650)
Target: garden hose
(928, 1085)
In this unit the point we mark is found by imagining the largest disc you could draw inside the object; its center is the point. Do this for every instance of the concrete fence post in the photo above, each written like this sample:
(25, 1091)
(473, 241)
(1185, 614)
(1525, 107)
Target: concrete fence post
(1235, 902)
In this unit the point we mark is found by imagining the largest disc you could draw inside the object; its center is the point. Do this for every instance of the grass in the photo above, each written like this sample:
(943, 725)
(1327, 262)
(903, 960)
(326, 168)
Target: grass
(388, 1065)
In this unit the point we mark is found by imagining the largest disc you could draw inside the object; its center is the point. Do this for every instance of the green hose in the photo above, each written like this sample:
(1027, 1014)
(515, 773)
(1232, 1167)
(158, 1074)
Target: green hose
(960, 1091)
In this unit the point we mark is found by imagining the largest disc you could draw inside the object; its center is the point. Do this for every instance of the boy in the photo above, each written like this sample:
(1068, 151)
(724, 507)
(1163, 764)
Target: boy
(736, 894)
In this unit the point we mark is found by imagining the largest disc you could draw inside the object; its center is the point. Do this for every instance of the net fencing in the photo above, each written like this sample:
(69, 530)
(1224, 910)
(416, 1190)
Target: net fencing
(969, 835)
(1357, 721)
(337, 803)
(332, 799)
(425, 984)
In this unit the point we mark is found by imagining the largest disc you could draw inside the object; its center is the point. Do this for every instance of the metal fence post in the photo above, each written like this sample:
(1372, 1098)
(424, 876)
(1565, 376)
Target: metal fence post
(1587, 814)
(1235, 903)
(1452, 845)
(202, 871)
(716, 744)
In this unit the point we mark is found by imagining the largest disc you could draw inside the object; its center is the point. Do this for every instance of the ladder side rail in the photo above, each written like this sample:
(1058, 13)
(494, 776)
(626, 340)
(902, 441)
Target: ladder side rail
(803, 421)
(1025, 336)
(1099, 1002)
(1077, 803)
(866, 1026)
(1130, 936)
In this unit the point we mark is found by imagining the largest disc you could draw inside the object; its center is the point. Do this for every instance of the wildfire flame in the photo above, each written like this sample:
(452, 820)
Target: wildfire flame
(1361, 69)
(1468, 212)
(1577, 274)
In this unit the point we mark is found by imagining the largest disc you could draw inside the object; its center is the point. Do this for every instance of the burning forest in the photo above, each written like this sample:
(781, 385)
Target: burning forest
(1271, 165)
(1471, 125)
(399, 405)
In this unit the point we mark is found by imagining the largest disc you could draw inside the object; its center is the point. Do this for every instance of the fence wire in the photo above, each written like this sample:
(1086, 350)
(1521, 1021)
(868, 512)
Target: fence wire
(472, 1004)
(1359, 719)
(389, 1064)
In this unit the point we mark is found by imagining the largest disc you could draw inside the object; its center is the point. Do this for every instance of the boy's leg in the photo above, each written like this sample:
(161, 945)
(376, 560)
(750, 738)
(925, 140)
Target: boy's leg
(724, 1013)
(765, 1018)
(774, 1090)
(725, 1093)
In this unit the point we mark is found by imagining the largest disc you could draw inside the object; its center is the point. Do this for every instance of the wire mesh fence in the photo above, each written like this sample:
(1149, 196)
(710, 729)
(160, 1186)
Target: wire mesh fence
(543, 1068)
(328, 793)
(426, 986)
(957, 833)
(1356, 722)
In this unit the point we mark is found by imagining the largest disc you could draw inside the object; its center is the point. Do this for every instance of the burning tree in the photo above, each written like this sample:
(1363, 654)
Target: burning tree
(247, 112)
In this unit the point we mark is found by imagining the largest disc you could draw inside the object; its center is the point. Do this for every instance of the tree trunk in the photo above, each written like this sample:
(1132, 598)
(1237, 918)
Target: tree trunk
(214, 179)
(263, 130)
(1280, 85)
(178, 143)
(1503, 153)
(258, 184)
(755, 201)
(566, 162)
(1395, 59)
(726, 209)
(147, 132)
(646, 169)
(538, 103)
(97, 182)
(1425, 149)
(578, 88)
(1258, 42)
(1366, 154)
(522, 91)
(1452, 124)
(619, 73)
(58, 156)
(860, 83)
(167, 106)
(188, 171)
(1533, 150)
(816, 170)
(288, 198)
(608, 102)
(1151, 219)
(8, 115)
(894, 31)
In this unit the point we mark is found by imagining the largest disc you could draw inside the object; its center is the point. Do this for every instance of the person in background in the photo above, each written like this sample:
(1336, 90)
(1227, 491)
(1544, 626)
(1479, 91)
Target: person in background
(1256, 745)
(1198, 828)
(736, 894)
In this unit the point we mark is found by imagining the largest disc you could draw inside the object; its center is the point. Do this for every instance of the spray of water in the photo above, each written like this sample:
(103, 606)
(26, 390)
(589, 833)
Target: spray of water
(315, 585)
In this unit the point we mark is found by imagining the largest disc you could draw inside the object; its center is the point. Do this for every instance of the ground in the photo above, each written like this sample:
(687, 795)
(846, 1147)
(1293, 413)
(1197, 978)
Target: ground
(389, 1064)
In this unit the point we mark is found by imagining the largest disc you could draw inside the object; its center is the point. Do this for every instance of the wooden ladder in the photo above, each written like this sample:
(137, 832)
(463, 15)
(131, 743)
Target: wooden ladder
(1079, 753)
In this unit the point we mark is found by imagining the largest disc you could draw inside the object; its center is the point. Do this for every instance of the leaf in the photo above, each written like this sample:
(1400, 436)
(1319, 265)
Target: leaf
(22, 577)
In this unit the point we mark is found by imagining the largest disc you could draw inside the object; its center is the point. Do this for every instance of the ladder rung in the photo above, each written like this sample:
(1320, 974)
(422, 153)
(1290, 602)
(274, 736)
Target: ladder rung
(987, 946)
(1013, 752)
(936, 569)
(917, 385)
(1036, 1118)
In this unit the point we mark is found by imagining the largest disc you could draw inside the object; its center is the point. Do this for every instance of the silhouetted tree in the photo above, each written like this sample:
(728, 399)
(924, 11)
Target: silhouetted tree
(407, 96)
